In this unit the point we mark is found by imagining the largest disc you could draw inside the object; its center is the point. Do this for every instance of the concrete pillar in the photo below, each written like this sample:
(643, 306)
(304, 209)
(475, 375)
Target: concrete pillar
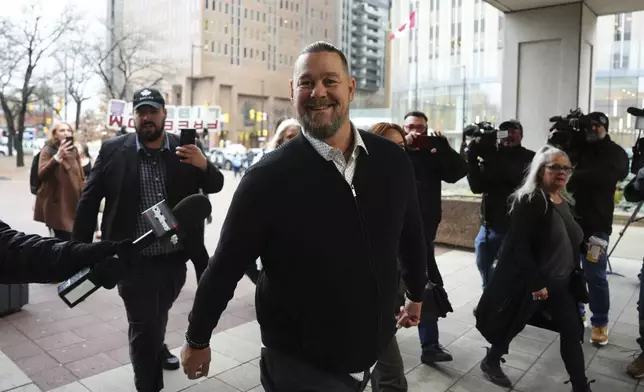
(547, 66)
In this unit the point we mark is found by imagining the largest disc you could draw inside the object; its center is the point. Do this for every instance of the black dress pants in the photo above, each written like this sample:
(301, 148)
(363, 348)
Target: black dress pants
(564, 311)
(62, 235)
(148, 294)
(389, 374)
(283, 373)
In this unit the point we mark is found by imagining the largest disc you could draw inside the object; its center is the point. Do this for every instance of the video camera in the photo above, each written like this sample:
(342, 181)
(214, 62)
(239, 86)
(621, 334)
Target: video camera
(568, 133)
(638, 149)
(489, 137)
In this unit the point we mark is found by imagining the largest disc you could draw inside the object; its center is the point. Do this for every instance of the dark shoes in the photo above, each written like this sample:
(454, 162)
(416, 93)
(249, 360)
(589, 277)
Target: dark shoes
(433, 354)
(170, 362)
(492, 371)
(636, 368)
(582, 387)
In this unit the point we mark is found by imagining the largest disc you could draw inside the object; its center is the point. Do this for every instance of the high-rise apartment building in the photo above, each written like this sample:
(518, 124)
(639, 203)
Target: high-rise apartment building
(237, 54)
(363, 36)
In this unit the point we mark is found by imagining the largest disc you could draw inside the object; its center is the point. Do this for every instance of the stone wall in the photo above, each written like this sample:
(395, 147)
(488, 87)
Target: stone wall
(460, 223)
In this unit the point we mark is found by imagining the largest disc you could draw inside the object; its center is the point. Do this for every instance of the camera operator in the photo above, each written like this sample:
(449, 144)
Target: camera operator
(495, 173)
(434, 161)
(601, 165)
(634, 192)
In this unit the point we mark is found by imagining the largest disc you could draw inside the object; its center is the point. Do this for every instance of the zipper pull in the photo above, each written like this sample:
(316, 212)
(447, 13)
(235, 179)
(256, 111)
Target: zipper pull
(353, 190)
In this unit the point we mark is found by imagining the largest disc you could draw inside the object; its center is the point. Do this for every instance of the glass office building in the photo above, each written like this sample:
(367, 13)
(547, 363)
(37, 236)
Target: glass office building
(455, 53)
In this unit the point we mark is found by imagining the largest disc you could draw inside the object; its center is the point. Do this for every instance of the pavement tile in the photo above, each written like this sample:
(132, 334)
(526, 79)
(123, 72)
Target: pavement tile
(425, 378)
(244, 377)
(60, 340)
(27, 388)
(53, 378)
(37, 363)
(116, 380)
(40, 331)
(10, 335)
(89, 348)
(95, 331)
(10, 374)
(22, 350)
(120, 355)
(90, 366)
(235, 348)
(211, 385)
(73, 387)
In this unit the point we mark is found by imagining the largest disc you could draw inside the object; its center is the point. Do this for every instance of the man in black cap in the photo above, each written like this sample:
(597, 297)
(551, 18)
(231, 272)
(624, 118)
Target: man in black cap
(134, 172)
(496, 173)
(602, 164)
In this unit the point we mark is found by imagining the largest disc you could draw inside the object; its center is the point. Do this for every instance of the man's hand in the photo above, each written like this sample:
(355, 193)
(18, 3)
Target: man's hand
(192, 155)
(436, 133)
(410, 137)
(540, 295)
(409, 315)
(195, 362)
(110, 261)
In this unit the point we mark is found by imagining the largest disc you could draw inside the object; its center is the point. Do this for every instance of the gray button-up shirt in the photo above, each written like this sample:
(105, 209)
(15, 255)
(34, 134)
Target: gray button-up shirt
(152, 183)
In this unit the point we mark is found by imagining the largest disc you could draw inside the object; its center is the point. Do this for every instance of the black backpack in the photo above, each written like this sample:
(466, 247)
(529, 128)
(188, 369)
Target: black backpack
(34, 180)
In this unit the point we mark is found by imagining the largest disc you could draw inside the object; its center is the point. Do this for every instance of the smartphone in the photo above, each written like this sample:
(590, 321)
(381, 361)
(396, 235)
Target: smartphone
(70, 140)
(424, 142)
(188, 136)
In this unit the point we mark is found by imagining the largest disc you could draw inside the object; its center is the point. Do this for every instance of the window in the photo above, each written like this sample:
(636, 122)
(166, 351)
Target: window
(226, 29)
(281, 4)
(207, 3)
(263, 55)
(212, 46)
(264, 17)
(205, 24)
(245, 53)
(245, 13)
(226, 49)
(297, 7)
(226, 7)
(286, 4)
(251, 53)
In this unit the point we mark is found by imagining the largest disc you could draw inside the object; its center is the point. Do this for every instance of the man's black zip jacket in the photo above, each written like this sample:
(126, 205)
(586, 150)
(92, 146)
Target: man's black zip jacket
(601, 166)
(330, 260)
(30, 258)
(500, 174)
(431, 168)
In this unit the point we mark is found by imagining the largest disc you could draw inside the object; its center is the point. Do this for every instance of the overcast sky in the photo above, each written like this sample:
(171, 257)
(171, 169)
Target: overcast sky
(91, 11)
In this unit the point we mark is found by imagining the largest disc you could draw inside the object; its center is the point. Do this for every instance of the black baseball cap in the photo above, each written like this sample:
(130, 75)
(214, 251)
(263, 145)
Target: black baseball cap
(148, 96)
(599, 118)
(511, 124)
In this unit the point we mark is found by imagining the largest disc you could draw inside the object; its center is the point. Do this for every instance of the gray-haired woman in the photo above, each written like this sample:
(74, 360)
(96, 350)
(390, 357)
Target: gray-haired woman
(537, 272)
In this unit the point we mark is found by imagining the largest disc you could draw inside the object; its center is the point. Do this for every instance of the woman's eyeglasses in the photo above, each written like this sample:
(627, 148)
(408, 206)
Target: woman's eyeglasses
(560, 168)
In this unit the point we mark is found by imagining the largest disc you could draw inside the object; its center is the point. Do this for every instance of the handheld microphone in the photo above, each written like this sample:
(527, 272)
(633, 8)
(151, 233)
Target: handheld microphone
(188, 213)
(635, 112)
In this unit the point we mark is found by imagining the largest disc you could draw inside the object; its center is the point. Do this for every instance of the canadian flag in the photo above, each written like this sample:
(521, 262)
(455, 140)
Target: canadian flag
(410, 24)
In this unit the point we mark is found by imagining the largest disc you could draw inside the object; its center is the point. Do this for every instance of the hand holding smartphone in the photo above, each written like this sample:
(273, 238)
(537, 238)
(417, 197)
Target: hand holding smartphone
(188, 136)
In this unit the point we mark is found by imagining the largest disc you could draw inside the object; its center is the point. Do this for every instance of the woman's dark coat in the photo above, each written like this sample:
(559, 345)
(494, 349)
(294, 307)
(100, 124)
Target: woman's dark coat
(506, 305)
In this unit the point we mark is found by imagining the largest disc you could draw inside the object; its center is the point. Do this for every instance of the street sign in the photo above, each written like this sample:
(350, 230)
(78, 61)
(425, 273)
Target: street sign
(119, 113)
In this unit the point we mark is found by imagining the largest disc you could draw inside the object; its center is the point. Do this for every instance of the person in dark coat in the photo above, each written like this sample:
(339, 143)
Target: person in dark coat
(537, 269)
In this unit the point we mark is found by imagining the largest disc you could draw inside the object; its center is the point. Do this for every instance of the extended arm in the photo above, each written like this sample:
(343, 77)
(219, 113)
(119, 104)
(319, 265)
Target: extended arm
(240, 244)
(30, 258)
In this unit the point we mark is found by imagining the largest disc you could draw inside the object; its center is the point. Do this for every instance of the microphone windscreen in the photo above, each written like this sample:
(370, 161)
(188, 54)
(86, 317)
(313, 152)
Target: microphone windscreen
(635, 112)
(192, 210)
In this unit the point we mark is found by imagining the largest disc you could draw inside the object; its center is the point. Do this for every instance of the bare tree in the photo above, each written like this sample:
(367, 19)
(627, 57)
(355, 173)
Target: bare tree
(128, 60)
(30, 39)
(8, 69)
(76, 71)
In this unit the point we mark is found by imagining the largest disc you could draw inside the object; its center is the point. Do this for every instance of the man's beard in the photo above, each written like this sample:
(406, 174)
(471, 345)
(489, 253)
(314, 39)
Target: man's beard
(592, 137)
(322, 131)
(145, 136)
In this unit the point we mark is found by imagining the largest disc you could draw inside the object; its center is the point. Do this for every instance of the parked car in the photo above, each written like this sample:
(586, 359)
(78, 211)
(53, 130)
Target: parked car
(216, 156)
(4, 150)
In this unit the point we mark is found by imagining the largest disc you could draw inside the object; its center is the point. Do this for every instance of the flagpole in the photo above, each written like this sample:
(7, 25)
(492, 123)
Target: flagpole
(417, 106)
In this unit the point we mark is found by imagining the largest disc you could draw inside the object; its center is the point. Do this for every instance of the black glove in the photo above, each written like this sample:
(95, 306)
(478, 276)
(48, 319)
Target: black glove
(114, 266)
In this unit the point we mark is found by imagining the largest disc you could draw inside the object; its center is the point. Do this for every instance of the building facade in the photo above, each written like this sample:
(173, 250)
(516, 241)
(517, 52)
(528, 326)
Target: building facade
(363, 36)
(450, 65)
(237, 54)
